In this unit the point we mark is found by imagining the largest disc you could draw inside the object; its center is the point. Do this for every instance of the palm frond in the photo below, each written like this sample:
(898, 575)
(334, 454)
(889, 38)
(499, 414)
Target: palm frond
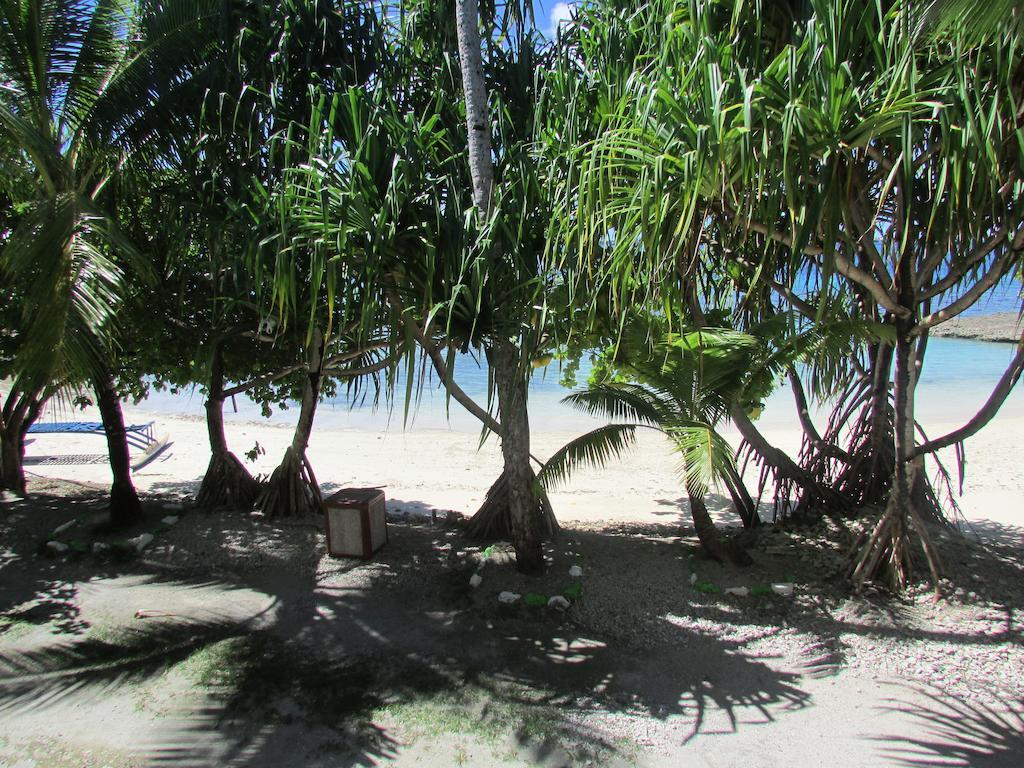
(705, 455)
(621, 400)
(976, 20)
(593, 449)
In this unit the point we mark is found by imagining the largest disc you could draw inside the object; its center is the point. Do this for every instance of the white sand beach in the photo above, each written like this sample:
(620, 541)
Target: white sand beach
(427, 468)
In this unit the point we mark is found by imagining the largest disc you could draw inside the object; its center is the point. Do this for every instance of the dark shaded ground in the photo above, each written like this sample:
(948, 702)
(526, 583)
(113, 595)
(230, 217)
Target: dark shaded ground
(258, 650)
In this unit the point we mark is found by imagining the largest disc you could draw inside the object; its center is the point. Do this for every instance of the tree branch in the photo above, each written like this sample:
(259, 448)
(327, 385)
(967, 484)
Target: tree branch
(433, 351)
(804, 414)
(362, 371)
(977, 255)
(988, 410)
(842, 265)
(970, 297)
(866, 241)
(779, 459)
(261, 380)
(346, 356)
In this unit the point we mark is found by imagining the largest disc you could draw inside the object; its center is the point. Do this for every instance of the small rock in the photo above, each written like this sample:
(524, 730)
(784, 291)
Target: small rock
(575, 571)
(170, 520)
(63, 527)
(558, 603)
(738, 591)
(507, 598)
(141, 541)
(476, 580)
(785, 589)
(693, 578)
(57, 547)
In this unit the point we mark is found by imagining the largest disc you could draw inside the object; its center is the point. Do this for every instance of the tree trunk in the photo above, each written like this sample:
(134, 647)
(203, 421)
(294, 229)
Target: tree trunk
(474, 88)
(504, 356)
(707, 534)
(493, 521)
(12, 453)
(782, 465)
(292, 488)
(881, 463)
(20, 412)
(227, 483)
(887, 551)
(511, 384)
(125, 509)
(741, 501)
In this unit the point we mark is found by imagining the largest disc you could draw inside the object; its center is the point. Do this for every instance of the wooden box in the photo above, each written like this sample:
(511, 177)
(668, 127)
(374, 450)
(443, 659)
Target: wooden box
(356, 525)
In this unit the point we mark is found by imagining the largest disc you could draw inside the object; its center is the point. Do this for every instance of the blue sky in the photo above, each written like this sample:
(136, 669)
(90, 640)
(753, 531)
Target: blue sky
(548, 13)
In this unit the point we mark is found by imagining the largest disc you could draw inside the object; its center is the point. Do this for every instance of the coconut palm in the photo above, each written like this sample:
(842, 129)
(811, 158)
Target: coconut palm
(80, 88)
(684, 387)
(978, 20)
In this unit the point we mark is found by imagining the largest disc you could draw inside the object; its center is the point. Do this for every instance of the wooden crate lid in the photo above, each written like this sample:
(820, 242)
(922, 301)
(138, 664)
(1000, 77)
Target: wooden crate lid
(353, 497)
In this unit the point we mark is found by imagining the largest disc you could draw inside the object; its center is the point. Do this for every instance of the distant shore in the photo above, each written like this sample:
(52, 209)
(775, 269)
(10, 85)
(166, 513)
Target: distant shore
(999, 326)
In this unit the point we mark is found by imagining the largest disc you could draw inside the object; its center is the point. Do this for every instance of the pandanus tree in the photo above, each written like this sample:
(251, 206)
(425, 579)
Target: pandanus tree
(197, 323)
(249, 107)
(834, 159)
(82, 82)
(389, 196)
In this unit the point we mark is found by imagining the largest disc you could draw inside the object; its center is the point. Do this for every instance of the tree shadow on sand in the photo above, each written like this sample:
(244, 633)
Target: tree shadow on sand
(957, 732)
(347, 660)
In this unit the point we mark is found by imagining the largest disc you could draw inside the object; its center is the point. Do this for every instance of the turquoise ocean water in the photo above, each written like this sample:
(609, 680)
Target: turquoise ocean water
(957, 378)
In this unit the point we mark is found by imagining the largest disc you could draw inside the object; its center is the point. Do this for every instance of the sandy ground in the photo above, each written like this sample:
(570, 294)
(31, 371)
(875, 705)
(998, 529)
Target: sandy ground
(433, 469)
(266, 652)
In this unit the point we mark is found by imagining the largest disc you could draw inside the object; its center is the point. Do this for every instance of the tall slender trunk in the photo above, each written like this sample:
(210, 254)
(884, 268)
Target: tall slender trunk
(474, 88)
(504, 356)
(227, 483)
(525, 519)
(292, 488)
(125, 509)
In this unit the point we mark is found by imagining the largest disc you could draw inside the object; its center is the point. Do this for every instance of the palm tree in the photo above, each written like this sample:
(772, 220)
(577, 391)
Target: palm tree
(75, 97)
(684, 387)
(505, 352)
(977, 20)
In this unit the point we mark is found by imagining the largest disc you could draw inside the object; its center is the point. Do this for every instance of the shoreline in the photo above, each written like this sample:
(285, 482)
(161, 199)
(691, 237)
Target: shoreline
(438, 470)
(1001, 327)
(435, 463)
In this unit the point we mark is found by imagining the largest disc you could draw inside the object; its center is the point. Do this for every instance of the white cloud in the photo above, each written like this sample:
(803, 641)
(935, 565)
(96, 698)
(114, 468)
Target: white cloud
(561, 12)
